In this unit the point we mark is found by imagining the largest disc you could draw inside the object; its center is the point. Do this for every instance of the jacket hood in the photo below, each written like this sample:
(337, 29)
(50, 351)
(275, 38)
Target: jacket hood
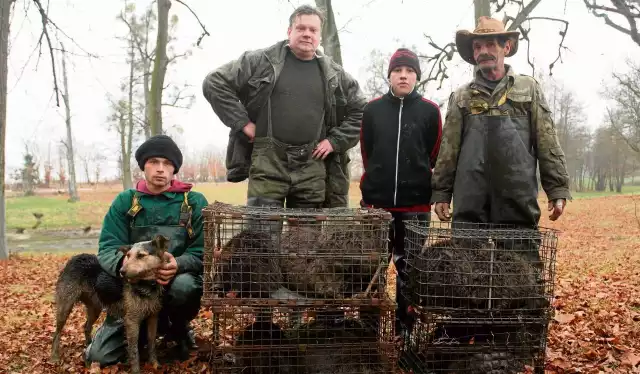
(176, 187)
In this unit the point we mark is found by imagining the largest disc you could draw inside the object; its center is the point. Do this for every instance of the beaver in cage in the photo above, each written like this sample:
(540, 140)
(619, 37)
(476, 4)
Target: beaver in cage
(439, 275)
(522, 342)
(338, 346)
(308, 270)
(514, 282)
(360, 255)
(466, 274)
(270, 355)
(487, 363)
(247, 267)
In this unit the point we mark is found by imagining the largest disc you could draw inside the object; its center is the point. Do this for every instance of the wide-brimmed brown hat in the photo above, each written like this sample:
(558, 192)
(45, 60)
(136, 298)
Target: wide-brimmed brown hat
(486, 27)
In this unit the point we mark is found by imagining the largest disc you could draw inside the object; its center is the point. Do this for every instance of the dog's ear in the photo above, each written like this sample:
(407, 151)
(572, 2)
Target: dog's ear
(161, 243)
(124, 249)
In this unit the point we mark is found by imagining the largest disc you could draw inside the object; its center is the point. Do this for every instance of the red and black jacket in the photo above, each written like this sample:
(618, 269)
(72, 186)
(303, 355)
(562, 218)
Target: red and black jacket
(399, 141)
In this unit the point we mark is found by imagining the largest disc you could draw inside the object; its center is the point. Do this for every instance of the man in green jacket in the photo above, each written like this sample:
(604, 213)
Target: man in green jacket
(293, 114)
(163, 205)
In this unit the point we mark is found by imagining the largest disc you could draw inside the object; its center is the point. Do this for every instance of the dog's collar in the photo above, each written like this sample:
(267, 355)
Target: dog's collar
(144, 287)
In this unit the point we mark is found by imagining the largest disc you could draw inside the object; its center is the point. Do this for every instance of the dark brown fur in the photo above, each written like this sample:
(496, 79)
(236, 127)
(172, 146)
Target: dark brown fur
(142, 296)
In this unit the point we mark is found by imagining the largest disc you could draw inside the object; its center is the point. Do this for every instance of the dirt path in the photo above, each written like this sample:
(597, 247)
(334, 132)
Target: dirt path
(54, 241)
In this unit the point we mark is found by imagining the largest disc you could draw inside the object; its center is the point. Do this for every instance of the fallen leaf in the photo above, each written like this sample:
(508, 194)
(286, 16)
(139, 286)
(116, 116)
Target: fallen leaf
(564, 318)
(95, 368)
(630, 359)
(561, 363)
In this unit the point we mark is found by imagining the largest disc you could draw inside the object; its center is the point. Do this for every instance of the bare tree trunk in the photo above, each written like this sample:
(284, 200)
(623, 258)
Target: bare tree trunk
(126, 125)
(330, 39)
(130, 106)
(146, 80)
(73, 190)
(85, 165)
(159, 67)
(147, 97)
(482, 8)
(5, 10)
(125, 160)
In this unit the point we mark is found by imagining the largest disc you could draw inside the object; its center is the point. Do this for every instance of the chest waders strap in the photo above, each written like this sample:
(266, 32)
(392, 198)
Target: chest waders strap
(479, 106)
(136, 207)
(185, 213)
(185, 216)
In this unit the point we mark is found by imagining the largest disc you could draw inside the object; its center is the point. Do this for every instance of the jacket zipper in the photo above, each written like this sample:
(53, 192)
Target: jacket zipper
(395, 190)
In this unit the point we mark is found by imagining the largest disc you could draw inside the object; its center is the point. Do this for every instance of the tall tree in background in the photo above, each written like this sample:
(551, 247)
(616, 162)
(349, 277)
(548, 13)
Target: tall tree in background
(141, 27)
(624, 118)
(330, 37)
(161, 62)
(159, 68)
(29, 173)
(47, 25)
(118, 121)
(122, 119)
(5, 10)
(73, 189)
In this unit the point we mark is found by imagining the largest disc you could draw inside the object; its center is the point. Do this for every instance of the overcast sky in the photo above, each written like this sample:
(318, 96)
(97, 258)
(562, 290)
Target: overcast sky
(235, 26)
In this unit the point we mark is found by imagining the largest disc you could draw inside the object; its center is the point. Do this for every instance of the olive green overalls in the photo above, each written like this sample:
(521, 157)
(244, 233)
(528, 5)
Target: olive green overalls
(282, 172)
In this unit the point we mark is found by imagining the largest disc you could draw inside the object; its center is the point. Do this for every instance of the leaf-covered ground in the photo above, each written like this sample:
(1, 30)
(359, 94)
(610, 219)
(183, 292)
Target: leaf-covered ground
(597, 322)
(596, 328)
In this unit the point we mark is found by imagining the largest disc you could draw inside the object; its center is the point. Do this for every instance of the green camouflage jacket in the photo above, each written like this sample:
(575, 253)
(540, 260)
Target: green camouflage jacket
(238, 89)
(527, 98)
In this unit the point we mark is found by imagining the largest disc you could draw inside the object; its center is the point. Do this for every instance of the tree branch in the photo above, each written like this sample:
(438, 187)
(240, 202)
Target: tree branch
(175, 57)
(204, 29)
(136, 39)
(523, 13)
(622, 8)
(624, 137)
(45, 20)
(44, 15)
(625, 83)
(438, 70)
(525, 36)
(178, 97)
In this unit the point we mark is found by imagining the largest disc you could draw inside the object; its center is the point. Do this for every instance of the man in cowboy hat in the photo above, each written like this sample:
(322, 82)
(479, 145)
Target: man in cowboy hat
(497, 128)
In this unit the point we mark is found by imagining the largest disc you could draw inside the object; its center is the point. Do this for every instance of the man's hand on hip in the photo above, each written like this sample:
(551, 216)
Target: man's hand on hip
(556, 207)
(442, 210)
(168, 270)
(250, 131)
(323, 149)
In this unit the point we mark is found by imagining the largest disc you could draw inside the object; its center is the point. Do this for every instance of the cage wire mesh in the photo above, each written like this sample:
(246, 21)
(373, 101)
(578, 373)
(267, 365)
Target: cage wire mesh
(298, 290)
(480, 270)
(303, 340)
(481, 294)
(439, 344)
(269, 256)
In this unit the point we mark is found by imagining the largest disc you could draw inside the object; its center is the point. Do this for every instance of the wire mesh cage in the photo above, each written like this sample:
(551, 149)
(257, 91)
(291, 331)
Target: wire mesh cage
(276, 256)
(303, 340)
(467, 270)
(437, 344)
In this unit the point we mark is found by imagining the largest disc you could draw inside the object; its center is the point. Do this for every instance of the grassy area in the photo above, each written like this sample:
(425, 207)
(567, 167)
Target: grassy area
(57, 212)
(93, 204)
(626, 190)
